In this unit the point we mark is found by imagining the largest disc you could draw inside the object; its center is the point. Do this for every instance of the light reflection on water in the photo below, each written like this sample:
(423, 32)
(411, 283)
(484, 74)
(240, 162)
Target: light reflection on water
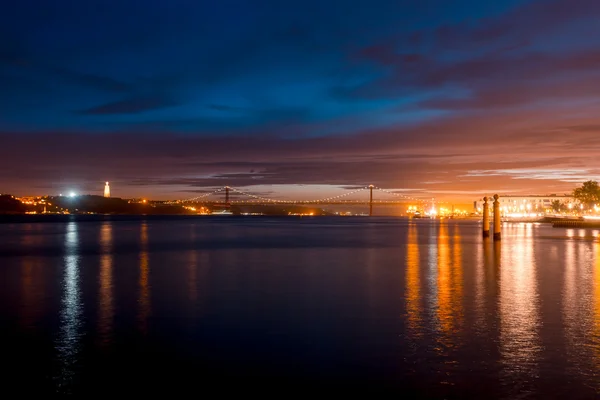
(193, 273)
(70, 332)
(520, 346)
(593, 345)
(413, 283)
(33, 291)
(428, 305)
(105, 296)
(450, 285)
(144, 280)
(32, 283)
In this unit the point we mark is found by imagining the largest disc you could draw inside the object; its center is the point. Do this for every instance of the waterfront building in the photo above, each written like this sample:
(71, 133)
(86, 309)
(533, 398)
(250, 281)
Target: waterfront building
(530, 203)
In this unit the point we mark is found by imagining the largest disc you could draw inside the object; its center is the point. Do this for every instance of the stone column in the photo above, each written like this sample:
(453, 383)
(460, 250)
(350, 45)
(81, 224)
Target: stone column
(497, 227)
(486, 218)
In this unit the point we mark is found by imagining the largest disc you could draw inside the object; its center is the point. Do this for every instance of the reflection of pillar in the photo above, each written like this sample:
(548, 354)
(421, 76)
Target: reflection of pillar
(497, 256)
(486, 218)
(496, 217)
(371, 200)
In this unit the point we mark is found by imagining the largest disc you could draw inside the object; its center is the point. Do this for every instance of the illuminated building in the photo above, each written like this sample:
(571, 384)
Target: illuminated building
(528, 204)
(106, 190)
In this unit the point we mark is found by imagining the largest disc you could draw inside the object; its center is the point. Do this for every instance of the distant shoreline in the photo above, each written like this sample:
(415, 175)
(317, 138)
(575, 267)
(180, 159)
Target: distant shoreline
(18, 218)
(59, 218)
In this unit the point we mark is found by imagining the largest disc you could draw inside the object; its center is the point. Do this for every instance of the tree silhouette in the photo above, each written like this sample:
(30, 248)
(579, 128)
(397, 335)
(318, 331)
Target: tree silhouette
(588, 194)
(557, 206)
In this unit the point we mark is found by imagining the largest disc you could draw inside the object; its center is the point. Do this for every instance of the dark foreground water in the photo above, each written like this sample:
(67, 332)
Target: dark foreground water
(284, 306)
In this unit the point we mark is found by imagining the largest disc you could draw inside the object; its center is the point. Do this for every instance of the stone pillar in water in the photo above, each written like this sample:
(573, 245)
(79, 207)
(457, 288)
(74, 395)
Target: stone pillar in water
(486, 218)
(496, 217)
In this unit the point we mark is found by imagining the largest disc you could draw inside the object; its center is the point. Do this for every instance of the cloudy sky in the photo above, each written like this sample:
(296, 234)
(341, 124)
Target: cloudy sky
(436, 98)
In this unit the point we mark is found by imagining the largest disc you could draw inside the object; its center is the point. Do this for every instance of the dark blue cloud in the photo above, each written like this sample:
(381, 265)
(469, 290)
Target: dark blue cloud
(129, 106)
(239, 54)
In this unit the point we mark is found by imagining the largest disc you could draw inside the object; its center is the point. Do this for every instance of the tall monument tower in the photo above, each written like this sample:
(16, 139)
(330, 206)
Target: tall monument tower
(106, 190)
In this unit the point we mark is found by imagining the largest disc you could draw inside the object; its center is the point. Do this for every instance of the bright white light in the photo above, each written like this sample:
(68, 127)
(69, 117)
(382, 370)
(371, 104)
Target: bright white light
(72, 194)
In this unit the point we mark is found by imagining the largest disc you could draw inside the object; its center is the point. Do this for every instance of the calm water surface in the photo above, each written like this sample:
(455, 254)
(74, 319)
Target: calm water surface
(285, 305)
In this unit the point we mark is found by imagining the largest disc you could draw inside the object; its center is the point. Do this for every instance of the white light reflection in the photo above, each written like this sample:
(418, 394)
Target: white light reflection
(575, 302)
(486, 275)
(68, 343)
(519, 309)
(432, 292)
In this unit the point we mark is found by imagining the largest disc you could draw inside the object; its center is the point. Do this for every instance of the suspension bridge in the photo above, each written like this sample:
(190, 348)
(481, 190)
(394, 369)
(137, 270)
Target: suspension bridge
(227, 196)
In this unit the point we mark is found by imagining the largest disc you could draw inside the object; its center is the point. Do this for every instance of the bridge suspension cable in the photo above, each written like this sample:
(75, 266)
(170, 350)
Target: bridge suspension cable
(322, 200)
(331, 198)
(398, 195)
(260, 197)
(204, 195)
(340, 195)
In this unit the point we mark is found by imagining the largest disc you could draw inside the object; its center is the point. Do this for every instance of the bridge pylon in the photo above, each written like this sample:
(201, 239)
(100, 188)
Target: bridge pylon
(227, 195)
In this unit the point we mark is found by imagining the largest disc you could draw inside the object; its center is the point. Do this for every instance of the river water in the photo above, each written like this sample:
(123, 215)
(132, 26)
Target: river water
(282, 305)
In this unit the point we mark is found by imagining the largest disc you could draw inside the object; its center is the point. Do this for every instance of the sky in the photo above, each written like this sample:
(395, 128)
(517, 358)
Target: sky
(299, 99)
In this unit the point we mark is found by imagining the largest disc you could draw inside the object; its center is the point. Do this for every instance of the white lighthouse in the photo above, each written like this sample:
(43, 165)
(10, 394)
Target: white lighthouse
(106, 190)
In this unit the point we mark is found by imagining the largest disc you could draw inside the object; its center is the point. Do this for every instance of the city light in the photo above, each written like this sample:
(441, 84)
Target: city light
(533, 206)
